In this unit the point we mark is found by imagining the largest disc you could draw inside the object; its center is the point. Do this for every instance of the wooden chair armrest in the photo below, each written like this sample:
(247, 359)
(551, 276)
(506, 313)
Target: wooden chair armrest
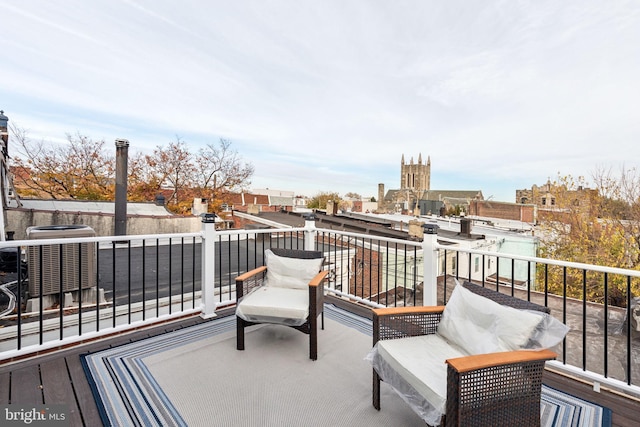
(251, 273)
(318, 278)
(482, 361)
(316, 294)
(249, 280)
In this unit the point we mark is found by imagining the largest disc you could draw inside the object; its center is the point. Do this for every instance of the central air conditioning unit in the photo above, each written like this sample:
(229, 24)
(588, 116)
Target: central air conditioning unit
(73, 264)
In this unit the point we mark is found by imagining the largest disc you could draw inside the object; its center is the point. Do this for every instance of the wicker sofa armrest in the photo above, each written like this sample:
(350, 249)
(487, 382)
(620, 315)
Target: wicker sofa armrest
(400, 322)
(249, 280)
(496, 388)
(490, 360)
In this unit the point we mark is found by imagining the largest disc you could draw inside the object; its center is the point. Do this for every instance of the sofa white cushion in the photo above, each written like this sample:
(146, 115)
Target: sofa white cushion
(288, 272)
(270, 304)
(479, 325)
(420, 361)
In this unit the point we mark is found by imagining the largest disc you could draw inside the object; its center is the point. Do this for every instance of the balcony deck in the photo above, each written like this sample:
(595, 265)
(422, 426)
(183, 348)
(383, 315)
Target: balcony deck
(58, 377)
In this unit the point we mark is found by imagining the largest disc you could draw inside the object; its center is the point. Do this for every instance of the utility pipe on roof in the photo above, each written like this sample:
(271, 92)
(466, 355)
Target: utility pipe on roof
(120, 219)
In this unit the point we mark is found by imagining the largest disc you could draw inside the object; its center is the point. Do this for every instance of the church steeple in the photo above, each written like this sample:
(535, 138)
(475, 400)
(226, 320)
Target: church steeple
(415, 176)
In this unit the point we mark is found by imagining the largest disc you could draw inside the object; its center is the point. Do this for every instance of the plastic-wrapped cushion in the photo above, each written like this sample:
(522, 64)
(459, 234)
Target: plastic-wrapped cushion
(286, 272)
(479, 325)
(415, 367)
(270, 304)
(548, 333)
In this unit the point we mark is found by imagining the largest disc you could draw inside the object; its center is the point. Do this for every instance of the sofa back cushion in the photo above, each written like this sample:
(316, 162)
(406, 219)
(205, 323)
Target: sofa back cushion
(287, 271)
(479, 325)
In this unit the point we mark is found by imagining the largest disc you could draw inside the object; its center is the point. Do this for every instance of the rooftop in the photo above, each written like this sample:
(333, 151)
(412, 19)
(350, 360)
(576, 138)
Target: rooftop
(52, 373)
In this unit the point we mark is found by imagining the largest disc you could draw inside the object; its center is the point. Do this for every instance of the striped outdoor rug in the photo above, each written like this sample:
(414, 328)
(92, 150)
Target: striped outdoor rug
(145, 383)
(561, 409)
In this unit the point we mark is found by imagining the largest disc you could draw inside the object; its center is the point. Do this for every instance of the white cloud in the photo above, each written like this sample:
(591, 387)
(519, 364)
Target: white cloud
(328, 95)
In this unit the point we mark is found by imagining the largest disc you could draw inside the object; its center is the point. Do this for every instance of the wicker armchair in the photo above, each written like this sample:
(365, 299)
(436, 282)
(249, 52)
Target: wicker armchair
(282, 294)
(481, 390)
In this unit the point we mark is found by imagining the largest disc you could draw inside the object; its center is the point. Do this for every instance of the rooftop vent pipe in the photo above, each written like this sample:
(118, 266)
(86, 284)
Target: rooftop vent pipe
(122, 155)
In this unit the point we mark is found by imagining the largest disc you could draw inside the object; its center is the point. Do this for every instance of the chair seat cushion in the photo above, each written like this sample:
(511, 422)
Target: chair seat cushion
(420, 361)
(270, 304)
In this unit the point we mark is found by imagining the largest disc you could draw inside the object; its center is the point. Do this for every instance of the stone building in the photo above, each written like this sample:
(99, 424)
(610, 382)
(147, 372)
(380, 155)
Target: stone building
(415, 196)
(552, 196)
(415, 178)
(542, 196)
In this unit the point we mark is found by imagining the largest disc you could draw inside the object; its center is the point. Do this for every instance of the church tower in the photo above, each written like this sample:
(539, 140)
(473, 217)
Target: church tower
(415, 176)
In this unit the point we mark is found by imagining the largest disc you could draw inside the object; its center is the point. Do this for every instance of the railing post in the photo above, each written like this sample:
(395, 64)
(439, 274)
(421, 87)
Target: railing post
(208, 274)
(310, 231)
(430, 254)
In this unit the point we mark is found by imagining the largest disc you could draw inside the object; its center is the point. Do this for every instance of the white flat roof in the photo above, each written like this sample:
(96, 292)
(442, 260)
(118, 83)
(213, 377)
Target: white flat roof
(133, 208)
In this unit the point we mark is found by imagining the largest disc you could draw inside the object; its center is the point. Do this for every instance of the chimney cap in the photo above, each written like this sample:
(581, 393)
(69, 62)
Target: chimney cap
(121, 142)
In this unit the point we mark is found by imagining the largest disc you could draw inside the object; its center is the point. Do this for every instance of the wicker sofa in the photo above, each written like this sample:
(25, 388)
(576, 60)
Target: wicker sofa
(287, 290)
(485, 370)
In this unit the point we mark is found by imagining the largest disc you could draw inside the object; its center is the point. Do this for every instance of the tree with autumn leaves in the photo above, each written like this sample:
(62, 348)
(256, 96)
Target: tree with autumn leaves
(84, 169)
(599, 226)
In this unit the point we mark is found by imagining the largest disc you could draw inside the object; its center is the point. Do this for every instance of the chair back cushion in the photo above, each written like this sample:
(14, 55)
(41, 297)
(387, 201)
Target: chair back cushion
(290, 268)
(479, 325)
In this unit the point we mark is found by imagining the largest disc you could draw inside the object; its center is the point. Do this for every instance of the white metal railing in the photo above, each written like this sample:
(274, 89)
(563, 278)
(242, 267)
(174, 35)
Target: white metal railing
(145, 279)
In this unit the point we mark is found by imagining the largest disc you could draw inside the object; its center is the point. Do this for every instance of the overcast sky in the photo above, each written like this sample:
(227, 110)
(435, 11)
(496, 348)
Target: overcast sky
(328, 95)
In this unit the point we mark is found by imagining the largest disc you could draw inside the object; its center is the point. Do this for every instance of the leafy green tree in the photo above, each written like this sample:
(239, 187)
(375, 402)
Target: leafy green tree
(319, 201)
(585, 226)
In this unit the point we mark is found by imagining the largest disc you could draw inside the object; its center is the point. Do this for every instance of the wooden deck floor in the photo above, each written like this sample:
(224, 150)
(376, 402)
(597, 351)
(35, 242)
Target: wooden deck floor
(59, 378)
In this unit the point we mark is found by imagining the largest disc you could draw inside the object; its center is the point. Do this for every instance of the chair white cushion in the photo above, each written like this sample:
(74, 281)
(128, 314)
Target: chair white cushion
(479, 325)
(420, 361)
(288, 272)
(270, 304)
